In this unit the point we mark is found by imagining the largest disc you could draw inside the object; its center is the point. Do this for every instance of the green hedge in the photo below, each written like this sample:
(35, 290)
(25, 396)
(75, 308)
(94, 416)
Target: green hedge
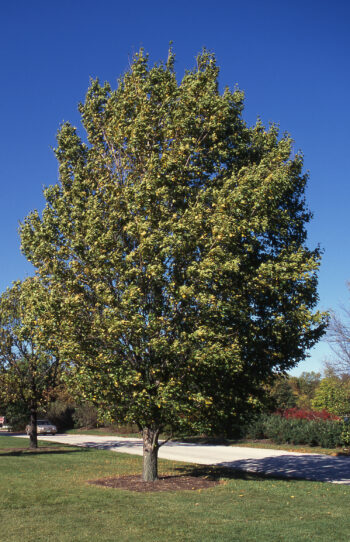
(325, 433)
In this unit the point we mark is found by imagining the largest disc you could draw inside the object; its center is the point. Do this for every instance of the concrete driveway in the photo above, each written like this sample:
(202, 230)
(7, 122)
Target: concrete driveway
(316, 467)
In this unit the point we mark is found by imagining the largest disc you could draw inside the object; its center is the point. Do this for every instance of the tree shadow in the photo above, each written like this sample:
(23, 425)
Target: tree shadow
(221, 441)
(310, 467)
(19, 452)
(316, 467)
(136, 444)
(217, 473)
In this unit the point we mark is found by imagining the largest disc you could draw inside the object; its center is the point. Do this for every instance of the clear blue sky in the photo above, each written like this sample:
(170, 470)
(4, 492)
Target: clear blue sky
(290, 58)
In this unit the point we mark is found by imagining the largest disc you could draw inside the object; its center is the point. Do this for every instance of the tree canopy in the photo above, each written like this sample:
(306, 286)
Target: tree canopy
(333, 395)
(29, 360)
(176, 235)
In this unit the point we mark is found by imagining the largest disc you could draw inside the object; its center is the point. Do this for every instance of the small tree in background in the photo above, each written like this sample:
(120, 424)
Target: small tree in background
(333, 395)
(16, 415)
(338, 335)
(281, 394)
(177, 237)
(29, 362)
(304, 388)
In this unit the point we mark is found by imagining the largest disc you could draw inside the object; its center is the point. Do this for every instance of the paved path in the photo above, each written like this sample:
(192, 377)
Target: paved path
(315, 467)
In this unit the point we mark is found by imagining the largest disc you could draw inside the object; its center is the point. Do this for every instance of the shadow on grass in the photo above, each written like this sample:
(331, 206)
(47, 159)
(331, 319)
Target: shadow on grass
(18, 452)
(217, 473)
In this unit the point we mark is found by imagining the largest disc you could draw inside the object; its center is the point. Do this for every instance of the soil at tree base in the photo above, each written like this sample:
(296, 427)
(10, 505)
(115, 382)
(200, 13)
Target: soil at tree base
(164, 483)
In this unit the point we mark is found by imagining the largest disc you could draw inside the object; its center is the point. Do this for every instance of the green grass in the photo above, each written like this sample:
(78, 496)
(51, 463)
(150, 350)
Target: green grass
(45, 497)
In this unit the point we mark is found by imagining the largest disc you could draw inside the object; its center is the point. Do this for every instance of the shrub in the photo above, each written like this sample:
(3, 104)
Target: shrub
(61, 414)
(17, 416)
(345, 434)
(327, 433)
(256, 428)
(302, 414)
(85, 416)
(330, 434)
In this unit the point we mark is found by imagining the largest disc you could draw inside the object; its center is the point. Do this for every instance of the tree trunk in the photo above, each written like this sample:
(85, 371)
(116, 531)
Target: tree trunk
(150, 454)
(33, 434)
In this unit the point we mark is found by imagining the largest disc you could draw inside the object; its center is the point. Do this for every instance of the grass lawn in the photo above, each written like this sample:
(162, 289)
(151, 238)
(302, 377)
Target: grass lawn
(45, 498)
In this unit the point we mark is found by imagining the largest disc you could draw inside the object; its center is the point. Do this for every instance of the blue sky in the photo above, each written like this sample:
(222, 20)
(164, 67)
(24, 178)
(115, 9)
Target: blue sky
(290, 58)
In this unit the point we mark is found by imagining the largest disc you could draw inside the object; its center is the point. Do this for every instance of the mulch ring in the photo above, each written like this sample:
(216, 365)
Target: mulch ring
(164, 483)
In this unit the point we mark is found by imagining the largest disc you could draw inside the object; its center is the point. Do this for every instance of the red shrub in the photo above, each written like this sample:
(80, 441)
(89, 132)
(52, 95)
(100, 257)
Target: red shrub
(302, 414)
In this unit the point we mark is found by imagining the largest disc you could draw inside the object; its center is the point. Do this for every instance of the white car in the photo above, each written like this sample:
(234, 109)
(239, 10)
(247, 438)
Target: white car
(44, 427)
(4, 426)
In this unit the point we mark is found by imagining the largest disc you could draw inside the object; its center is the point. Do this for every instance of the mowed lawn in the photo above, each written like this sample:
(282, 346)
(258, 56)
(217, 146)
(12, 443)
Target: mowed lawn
(44, 496)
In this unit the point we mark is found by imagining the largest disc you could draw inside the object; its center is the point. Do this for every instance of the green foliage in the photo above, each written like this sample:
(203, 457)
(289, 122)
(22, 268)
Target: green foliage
(325, 433)
(17, 415)
(304, 388)
(333, 394)
(345, 434)
(281, 394)
(256, 428)
(86, 416)
(29, 364)
(176, 237)
(61, 414)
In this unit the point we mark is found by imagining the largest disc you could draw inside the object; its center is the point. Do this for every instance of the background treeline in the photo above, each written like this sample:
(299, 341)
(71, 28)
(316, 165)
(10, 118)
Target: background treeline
(62, 409)
(64, 412)
(310, 391)
(306, 410)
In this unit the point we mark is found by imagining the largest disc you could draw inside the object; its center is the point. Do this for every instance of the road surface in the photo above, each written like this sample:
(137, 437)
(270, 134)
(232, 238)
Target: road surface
(317, 467)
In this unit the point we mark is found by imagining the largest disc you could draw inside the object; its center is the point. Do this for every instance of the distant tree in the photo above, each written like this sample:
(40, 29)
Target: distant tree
(177, 235)
(304, 388)
(333, 395)
(338, 335)
(29, 362)
(16, 415)
(281, 394)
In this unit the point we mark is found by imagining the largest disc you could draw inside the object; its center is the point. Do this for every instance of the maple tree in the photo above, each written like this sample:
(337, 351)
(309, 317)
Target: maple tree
(176, 235)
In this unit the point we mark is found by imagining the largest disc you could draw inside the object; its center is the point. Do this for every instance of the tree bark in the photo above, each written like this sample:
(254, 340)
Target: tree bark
(33, 433)
(150, 454)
